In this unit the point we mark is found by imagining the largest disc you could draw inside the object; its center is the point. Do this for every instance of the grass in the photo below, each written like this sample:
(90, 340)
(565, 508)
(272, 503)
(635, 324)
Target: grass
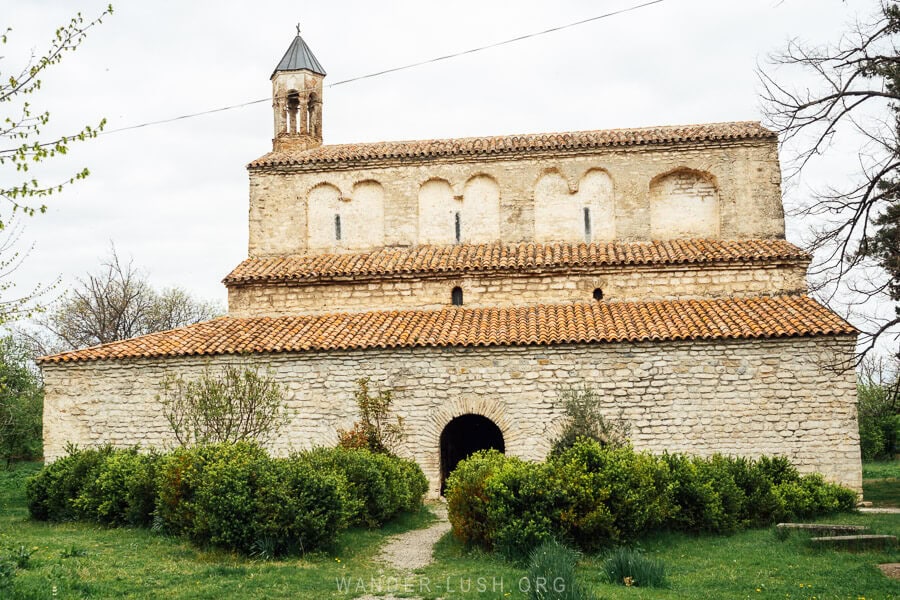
(84, 561)
(881, 483)
(881, 469)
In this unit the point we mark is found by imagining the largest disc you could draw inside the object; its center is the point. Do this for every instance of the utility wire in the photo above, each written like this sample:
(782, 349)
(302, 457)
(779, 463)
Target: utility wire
(401, 68)
(496, 44)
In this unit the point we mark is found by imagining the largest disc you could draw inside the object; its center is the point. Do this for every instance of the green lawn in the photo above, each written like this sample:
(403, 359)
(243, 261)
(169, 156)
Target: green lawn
(881, 483)
(881, 469)
(82, 561)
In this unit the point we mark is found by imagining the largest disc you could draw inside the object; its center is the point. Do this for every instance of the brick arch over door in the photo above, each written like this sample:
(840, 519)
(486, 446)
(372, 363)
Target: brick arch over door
(516, 441)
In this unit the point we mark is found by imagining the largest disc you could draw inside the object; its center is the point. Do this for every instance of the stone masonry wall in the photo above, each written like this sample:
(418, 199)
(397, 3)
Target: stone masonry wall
(502, 198)
(745, 397)
(617, 284)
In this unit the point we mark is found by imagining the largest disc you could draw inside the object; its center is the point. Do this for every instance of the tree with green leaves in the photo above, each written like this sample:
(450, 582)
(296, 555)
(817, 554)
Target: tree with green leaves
(24, 146)
(855, 94)
(22, 140)
(879, 408)
(236, 403)
(21, 404)
(584, 419)
(378, 428)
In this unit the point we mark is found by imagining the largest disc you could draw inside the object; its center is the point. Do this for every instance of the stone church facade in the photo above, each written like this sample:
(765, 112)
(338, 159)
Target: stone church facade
(478, 278)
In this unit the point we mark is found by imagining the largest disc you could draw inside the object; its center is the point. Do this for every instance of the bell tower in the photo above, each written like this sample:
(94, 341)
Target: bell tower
(297, 99)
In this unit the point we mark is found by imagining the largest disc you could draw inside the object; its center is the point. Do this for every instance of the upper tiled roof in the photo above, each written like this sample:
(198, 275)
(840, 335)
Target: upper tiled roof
(505, 144)
(733, 318)
(524, 257)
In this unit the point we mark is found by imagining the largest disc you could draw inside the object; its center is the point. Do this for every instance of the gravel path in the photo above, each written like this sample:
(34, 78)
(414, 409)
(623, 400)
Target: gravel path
(414, 549)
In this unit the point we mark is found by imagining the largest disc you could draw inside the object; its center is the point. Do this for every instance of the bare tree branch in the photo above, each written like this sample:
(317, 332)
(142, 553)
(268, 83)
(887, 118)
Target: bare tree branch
(855, 228)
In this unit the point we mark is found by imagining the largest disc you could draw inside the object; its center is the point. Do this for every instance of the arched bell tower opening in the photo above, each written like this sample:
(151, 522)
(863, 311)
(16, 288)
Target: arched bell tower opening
(462, 437)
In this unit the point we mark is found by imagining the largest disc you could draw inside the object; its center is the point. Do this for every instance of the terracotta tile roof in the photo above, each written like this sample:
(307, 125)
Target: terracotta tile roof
(764, 317)
(505, 144)
(524, 257)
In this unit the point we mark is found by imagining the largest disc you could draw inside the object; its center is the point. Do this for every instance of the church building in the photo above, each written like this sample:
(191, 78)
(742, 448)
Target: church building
(479, 278)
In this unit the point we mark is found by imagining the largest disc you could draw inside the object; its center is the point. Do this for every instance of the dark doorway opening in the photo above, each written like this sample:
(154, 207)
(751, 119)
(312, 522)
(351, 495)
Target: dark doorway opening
(462, 437)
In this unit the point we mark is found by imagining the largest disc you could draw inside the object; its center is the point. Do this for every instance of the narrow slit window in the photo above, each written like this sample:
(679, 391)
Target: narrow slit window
(456, 297)
(457, 222)
(587, 224)
(337, 228)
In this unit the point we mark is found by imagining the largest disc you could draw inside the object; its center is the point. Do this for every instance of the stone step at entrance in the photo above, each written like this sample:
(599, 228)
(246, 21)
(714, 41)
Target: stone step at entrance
(856, 542)
(823, 529)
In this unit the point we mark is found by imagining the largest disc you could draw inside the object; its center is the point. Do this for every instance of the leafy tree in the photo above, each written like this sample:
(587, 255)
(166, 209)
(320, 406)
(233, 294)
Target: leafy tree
(235, 404)
(22, 141)
(117, 303)
(879, 409)
(21, 404)
(584, 419)
(857, 92)
(377, 429)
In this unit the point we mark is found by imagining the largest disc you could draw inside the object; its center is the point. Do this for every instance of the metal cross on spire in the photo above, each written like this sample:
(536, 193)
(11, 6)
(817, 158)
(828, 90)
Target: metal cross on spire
(298, 28)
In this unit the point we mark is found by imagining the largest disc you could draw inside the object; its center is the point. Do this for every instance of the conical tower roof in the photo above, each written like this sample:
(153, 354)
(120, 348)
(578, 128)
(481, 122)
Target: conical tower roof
(298, 57)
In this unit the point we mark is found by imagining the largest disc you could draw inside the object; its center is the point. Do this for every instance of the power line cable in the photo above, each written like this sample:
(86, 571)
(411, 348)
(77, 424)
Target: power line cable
(496, 44)
(401, 68)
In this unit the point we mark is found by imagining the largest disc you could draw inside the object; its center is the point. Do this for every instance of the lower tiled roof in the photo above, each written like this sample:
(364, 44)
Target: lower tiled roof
(732, 318)
(523, 257)
(510, 144)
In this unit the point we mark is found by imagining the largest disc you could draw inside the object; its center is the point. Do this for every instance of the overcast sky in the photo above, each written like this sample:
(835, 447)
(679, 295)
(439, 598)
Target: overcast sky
(174, 197)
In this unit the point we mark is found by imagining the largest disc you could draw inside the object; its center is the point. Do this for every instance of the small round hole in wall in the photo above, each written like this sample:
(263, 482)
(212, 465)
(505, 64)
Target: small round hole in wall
(598, 294)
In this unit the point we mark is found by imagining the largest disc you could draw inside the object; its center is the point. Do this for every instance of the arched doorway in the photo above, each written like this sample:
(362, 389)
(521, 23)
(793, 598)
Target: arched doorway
(465, 435)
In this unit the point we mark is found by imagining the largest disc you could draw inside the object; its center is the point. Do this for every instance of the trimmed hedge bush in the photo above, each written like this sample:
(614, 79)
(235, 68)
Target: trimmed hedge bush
(595, 496)
(467, 498)
(233, 496)
(123, 490)
(377, 486)
(51, 494)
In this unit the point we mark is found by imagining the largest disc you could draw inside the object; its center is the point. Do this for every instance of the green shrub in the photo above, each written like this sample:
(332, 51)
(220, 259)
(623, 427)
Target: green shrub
(467, 498)
(397, 487)
(704, 494)
(777, 469)
(376, 486)
(584, 419)
(416, 484)
(298, 508)
(178, 476)
(631, 484)
(225, 496)
(52, 492)
(372, 487)
(761, 503)
(367, 502)
(524, 501)
(235, 496)
(123, 492)
(630, 567)
(231, 495)
(811, 496)
(551, 573)
(595, 496)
